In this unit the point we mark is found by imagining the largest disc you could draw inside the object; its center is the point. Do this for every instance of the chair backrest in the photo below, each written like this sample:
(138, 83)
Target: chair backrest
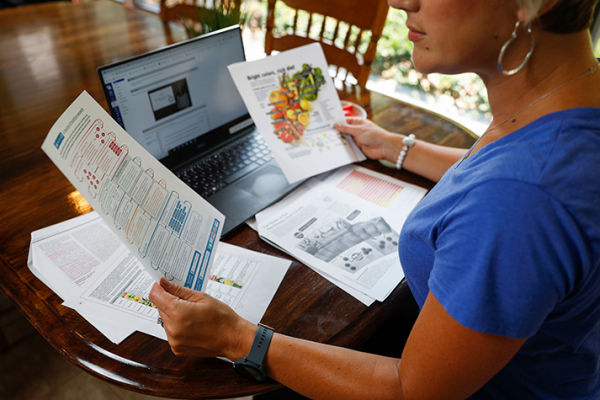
(348, 31)
(184, 12)
(188, 13)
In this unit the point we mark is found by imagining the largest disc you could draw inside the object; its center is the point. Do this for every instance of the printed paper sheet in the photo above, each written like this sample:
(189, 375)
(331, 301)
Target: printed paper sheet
(169, 227)
(345, 225)
(87, 265)
(294, 104)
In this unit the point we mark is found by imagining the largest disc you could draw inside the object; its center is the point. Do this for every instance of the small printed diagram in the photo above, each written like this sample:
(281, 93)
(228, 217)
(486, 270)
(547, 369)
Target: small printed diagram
(368, 187)
(169, 240)
(349, 246)
(138, 299)
(121, 196)
(291, 103)
(161, 225)
(169, 99)
(97, 157)
(225, 281)
(325, 141)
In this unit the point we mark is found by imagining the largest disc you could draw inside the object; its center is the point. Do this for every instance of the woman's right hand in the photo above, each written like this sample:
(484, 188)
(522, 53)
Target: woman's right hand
(198, 325)
(373, 140)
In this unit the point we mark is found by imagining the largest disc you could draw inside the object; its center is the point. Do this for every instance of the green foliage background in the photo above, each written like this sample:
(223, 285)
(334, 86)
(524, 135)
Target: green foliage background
(393, 60)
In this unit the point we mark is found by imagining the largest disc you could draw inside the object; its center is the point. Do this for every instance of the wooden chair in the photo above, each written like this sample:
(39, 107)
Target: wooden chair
(186, 13)
(356, 24)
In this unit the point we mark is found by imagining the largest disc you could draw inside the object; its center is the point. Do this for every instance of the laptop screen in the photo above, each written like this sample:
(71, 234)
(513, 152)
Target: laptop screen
(180, 99)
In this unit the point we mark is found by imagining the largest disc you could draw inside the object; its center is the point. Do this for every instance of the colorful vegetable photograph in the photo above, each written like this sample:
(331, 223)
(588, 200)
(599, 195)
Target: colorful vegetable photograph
(291, 103)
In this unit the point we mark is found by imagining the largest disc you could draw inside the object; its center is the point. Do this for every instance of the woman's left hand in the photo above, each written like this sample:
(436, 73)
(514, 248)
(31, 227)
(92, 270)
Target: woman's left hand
(198, 325)
(372, 139)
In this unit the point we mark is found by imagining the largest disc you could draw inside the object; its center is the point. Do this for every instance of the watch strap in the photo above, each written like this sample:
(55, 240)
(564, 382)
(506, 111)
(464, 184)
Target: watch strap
(260, 345)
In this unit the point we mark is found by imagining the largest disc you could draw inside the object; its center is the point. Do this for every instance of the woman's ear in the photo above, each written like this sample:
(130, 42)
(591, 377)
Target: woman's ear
(523, 15)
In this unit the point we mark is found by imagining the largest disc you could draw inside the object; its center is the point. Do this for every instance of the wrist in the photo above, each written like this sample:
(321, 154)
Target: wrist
(394, 147)
(407, 143)
(253, 366)
(242, 340)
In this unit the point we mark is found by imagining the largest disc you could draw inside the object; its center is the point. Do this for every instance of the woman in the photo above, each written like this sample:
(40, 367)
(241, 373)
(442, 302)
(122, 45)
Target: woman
(502, 256)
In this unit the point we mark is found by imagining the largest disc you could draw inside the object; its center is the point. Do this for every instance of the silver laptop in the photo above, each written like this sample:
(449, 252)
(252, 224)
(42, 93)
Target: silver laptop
(181, 104)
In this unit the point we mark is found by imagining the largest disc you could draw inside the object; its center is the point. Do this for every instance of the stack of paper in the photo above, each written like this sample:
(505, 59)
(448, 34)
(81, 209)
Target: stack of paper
(89, 267)
(345, 225)
(148, 225)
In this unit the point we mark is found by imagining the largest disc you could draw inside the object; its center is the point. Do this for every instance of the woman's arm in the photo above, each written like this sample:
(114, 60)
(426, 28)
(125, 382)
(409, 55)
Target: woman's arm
(428, 160)
(441, 360)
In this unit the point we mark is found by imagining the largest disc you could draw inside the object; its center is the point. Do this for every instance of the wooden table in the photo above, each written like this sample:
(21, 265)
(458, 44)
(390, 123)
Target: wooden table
(49, 54)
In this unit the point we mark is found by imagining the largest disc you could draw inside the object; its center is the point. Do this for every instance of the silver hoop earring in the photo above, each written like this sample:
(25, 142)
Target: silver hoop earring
(508, 42)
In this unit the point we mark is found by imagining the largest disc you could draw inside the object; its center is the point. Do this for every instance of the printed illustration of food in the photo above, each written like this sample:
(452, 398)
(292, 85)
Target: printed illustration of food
(292, 102)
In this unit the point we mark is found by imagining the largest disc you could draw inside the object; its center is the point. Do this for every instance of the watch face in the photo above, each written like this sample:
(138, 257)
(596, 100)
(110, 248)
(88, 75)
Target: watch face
(249, 370)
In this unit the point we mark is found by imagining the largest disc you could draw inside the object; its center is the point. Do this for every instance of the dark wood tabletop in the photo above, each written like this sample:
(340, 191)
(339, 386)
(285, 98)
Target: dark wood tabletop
(49, 55)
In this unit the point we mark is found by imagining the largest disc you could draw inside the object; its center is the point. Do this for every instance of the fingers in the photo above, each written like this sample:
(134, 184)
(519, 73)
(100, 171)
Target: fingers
(341, 128)
(160, 297)
(351, 127)
(354, 120)
(180, 291)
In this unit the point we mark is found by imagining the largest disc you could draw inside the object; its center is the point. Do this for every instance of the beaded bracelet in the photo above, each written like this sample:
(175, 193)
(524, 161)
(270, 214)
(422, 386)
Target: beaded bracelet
(408, 142)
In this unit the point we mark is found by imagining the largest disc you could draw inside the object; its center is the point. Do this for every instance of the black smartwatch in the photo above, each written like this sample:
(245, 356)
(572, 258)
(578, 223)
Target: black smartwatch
(252, 367)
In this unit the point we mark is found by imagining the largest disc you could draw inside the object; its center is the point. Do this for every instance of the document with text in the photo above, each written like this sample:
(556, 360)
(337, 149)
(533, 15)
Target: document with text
(87, 265)
(294, 104)
(163, 222)
(345, 225)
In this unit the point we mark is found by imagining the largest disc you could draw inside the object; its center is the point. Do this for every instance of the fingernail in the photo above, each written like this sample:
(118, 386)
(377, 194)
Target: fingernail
(164, 282)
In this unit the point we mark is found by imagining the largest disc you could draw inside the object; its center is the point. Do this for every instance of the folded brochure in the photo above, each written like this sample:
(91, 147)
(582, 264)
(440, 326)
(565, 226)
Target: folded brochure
(164, 223)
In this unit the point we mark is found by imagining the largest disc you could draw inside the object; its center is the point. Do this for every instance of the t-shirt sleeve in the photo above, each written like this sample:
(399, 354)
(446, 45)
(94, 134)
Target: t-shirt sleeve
(505, 256)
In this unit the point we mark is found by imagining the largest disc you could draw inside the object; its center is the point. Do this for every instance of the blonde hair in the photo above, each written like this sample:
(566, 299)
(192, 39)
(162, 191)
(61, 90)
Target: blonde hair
(566, 16)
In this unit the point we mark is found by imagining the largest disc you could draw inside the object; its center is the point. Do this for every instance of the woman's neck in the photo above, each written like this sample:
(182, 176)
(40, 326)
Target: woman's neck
(555, 78)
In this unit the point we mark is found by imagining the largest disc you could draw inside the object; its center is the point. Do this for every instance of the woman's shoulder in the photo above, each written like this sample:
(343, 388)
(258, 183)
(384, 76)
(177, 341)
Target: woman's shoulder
(563, 147)
(562, 144)
(559, 155)
(578, 119)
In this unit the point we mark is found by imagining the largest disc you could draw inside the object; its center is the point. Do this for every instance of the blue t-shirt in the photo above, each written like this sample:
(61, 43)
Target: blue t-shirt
(509, 243)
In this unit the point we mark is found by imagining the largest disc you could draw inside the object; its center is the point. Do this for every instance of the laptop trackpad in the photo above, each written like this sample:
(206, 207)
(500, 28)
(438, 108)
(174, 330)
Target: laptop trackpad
(266, 185)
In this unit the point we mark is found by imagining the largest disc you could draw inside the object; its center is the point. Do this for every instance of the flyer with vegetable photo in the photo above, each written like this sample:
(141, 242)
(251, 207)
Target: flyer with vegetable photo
(294, 104)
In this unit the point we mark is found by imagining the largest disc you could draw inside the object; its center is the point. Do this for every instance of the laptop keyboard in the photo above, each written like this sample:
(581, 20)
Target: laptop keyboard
(219, 170)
